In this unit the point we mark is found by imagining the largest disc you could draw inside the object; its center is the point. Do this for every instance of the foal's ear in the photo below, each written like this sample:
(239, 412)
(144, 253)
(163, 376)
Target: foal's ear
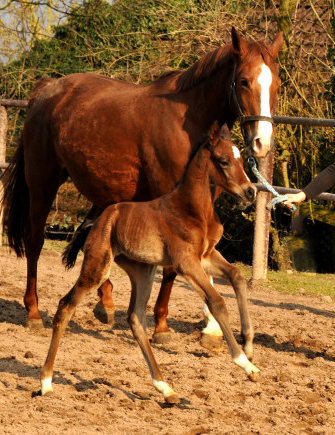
(276, 44)
(214, 131)
(239, 44)
(225, 133)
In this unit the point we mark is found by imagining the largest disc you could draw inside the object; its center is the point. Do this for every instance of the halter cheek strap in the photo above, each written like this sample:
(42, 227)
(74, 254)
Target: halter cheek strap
(245, 118)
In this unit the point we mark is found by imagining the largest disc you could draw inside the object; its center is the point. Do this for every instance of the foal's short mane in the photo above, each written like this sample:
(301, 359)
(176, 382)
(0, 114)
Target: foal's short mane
(217, 59)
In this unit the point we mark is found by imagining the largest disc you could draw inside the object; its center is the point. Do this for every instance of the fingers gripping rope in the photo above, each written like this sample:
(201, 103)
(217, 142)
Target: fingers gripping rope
(277, 198)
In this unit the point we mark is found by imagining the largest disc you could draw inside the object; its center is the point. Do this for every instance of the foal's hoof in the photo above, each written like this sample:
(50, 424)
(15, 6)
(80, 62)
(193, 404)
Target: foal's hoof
(254, 377)
(103, 314)
(212, 342)
(161, 337)
(172, 399)
(34, 324)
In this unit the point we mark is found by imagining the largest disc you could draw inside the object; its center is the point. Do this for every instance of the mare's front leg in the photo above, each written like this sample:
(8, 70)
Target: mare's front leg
(195, 274)
(162, 333)
(219, 267)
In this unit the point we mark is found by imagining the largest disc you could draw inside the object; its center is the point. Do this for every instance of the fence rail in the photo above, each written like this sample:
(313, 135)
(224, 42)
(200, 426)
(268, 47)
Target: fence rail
(262, 220)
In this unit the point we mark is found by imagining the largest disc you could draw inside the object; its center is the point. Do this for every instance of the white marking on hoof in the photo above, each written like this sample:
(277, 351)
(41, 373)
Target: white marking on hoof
(243, 362)
(163, 388)
(46, 386)
(212, 326)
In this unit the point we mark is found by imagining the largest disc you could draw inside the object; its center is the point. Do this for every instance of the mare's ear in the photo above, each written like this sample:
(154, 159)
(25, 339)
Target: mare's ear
(276, 44)
(214, 130)
(225, 133)
(239, 44)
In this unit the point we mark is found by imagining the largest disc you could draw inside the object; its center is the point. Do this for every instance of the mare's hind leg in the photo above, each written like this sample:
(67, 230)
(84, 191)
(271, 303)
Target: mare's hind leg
(218, 266)
(95, 270)
(195, 274)
(142, 276)
(162, 333)
(41, 199)
(105, 308)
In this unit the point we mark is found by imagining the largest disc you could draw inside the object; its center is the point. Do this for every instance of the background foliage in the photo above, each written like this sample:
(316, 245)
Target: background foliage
(137, 41)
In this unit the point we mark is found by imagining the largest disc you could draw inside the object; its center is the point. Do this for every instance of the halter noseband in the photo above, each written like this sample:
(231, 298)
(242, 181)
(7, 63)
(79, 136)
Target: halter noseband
(245, 118)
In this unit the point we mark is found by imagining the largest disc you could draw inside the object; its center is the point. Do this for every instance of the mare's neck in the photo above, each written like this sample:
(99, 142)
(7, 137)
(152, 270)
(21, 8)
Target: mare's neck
(209, 99)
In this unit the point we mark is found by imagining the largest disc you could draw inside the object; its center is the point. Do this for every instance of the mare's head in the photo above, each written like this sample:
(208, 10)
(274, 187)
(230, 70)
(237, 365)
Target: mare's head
(254, 87)
(226, 170)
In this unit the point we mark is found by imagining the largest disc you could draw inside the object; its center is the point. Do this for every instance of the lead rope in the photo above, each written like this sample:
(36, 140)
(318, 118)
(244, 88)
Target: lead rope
(278, 199)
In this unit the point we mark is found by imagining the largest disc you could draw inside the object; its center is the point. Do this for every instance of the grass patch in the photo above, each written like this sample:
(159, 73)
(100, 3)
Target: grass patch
(300, 283)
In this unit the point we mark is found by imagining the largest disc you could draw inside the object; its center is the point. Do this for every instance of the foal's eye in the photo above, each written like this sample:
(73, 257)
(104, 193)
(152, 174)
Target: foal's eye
(224, 163)
(245, 83)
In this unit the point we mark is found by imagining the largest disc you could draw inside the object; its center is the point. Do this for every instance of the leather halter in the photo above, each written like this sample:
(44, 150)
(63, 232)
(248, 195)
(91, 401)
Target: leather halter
(245, 118)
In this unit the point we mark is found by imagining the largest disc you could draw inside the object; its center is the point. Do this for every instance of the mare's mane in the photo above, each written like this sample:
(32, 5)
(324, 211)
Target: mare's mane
(211, 62)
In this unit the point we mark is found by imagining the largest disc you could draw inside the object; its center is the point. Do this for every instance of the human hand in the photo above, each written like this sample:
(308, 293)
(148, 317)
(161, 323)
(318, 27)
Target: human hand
(294, 198)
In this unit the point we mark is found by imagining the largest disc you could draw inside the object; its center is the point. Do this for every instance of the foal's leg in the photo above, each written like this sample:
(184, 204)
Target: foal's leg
(105, 308)
(219, 267)
(211, 335)
(95, 270)
(142, 276)
(194, 273)
(162, 333)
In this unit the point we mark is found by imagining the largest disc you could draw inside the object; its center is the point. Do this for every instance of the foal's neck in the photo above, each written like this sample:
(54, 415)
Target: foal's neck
(195, 189)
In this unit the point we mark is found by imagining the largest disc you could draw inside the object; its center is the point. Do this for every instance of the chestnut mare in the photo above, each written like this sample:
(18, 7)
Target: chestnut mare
(124, 142)
(178, 230)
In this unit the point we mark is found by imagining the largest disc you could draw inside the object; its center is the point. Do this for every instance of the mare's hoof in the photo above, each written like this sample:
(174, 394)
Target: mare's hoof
(172, 399)
(212, 342)
(254, 377)
(34, 324)
(103, 314)
(161, 337)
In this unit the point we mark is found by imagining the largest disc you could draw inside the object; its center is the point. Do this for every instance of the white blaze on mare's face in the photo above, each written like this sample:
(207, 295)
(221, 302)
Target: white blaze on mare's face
(265, 127)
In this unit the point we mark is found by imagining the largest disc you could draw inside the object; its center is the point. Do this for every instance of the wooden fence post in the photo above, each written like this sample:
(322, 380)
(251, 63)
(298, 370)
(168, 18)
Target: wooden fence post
(262, 222)
(3, 134)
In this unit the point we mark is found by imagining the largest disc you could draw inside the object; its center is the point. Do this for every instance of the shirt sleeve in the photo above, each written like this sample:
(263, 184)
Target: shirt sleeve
(322, 182)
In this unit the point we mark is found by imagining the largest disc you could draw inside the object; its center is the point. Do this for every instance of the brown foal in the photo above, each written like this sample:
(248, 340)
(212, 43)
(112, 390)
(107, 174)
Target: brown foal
(177, 230)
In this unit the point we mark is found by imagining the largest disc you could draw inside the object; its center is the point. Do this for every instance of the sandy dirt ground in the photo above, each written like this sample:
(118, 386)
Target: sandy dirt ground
(102, 384)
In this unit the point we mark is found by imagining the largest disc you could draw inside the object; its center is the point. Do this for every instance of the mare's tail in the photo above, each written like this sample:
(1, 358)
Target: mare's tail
(16, 202)
(77, 243)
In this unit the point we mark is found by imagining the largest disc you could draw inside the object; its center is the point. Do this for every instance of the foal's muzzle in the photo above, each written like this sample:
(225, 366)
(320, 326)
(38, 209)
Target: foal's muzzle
(248, 196)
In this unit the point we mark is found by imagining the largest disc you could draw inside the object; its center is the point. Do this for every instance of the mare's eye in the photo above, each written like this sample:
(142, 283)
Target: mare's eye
(245, 83)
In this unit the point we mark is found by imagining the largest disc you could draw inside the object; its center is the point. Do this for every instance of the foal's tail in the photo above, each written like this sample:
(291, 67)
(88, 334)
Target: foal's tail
(77, 243)
(16, 202)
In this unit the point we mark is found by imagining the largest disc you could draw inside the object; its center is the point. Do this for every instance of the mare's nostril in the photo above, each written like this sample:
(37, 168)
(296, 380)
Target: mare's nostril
(257, 145)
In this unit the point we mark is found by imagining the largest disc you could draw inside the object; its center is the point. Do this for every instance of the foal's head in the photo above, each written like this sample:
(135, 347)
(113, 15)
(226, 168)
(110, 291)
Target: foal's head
(254, 89)
(226, 169)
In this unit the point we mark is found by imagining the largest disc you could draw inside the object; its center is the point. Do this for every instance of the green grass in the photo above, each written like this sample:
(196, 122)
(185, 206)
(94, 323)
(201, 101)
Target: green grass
(295, 282)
